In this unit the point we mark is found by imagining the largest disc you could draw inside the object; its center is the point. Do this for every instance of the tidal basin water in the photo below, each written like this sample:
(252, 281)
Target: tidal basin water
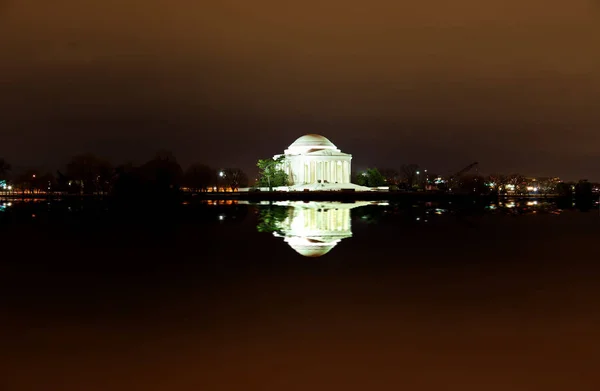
(300, 296)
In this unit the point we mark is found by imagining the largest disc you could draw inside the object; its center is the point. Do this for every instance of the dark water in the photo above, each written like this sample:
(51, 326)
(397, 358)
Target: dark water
(423, 297)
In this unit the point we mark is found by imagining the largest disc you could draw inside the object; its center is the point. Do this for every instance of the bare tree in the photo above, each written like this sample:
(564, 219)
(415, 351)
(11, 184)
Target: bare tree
(518, 181)
(91, 173)
(29, 180)
(162, 173)
(391, 175)
(546, 185)
(498, 182)
(409, 173)
(235, 178)
(198, 177)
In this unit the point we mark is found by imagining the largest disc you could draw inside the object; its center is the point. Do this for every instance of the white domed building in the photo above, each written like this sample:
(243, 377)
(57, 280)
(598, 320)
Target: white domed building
(315, 163)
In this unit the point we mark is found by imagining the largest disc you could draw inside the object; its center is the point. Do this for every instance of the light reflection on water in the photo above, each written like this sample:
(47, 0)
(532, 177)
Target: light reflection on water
(423, 297)
(313, 229)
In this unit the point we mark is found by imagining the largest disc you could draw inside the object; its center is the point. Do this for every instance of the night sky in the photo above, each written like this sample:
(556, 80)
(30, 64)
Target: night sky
(513, 84)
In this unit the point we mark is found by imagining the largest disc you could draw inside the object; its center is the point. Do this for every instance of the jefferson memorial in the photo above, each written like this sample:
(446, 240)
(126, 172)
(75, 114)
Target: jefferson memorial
(315, 163)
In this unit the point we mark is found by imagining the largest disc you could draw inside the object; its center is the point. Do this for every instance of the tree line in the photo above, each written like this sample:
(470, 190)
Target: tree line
(412, 177)
(90, 174)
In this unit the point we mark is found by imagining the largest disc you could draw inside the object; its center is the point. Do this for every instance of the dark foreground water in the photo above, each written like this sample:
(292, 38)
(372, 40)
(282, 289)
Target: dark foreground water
(300, 297)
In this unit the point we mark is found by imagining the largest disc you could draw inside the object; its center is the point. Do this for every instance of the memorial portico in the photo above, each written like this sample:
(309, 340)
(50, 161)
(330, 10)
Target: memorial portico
(314, 159)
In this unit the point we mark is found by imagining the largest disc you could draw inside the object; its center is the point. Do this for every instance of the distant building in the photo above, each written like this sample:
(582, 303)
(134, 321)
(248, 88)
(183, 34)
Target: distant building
(315, 163)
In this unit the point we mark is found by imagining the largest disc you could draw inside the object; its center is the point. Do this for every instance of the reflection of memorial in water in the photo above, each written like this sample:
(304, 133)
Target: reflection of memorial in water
(314, 228)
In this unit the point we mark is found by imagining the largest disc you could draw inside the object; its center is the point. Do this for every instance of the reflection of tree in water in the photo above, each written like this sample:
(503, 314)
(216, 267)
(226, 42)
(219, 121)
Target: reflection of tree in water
(371, 214)
(271, 217)
(312, 229)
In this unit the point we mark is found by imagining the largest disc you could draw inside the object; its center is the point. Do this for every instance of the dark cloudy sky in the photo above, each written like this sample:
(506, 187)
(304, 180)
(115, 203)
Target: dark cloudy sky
(514, 84)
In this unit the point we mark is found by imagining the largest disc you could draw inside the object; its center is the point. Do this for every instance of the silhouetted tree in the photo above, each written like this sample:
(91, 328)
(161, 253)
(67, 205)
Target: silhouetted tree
(31, 181)
(584, 195)
(499, 182)
(66, 185)
(47, 183)
(235, 178)
(583, 189)
(271, 173)
(91, 174)
(199, 177)
(546, 186)
(564, 190)
(162, 174)
(409, 173)
(127, 182)
(391, 175)
(518, 181)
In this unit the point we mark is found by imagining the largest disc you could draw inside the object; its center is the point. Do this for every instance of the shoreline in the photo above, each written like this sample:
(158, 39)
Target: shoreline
(298, 196)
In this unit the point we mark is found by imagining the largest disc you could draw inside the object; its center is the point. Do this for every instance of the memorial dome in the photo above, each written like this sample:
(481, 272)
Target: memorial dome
(311, 142)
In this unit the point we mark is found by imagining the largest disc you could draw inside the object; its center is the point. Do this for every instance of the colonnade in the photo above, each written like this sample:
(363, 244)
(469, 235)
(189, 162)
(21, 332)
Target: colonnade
(332, 171)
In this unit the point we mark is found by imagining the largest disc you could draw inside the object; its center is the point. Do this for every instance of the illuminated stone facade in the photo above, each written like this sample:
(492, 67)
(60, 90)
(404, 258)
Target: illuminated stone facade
(313, 159)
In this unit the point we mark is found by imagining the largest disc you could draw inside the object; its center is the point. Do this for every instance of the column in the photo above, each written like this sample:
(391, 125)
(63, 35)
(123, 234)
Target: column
(306, 172)
(335, 171)
(331, 167)
(321, 171)
(348, 171)
(335, 178)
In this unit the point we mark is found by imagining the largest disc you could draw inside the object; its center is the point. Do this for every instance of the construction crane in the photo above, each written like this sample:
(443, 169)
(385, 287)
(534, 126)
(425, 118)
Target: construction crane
(452, 179)
(464, 170)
